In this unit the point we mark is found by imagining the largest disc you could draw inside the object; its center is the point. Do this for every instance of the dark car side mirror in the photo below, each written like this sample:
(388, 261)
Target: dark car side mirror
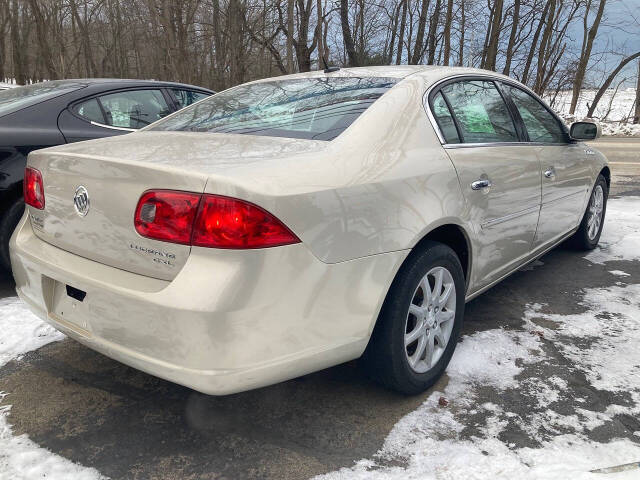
(585, 130)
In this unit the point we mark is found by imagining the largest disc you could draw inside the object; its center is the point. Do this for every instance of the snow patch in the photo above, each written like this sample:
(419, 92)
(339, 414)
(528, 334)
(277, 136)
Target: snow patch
(20, 458)
(21, 330)
(620, 238)
(434, 442)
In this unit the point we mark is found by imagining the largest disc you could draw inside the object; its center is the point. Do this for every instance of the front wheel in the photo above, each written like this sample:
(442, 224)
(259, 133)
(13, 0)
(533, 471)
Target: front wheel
(420, 322)
(588, 234)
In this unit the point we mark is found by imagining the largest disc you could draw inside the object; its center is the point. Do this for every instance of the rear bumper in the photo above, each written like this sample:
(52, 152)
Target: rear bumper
(230, 320)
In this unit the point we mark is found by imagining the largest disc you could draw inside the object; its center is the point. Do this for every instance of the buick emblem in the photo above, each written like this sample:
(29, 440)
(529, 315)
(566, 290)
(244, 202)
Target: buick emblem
(81, 201)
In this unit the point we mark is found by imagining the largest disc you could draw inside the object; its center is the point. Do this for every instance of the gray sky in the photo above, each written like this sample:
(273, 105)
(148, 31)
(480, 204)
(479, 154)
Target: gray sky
(619, 33)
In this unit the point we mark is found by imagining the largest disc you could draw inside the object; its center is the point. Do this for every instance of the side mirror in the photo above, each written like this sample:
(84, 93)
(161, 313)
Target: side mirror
(585, 130)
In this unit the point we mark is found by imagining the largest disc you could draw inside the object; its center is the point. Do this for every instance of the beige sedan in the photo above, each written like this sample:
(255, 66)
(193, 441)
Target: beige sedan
(291, 224)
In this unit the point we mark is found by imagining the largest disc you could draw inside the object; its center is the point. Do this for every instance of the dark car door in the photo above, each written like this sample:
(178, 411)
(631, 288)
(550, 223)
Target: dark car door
(114, 113)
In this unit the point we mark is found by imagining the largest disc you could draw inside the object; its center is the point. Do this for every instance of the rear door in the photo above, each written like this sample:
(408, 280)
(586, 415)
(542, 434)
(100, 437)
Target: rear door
(499, 175)
(114, 113)
(566, 177)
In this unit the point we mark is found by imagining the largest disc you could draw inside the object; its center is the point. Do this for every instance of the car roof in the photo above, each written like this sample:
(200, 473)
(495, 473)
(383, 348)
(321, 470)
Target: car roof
(127, 82)
(431, 73)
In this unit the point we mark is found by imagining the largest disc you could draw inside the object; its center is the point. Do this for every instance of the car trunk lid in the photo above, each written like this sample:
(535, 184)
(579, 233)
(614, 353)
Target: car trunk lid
(106, 233)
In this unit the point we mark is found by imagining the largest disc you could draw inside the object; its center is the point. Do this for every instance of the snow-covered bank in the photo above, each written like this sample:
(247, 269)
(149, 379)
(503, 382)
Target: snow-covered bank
(614, 110)
(20, 458)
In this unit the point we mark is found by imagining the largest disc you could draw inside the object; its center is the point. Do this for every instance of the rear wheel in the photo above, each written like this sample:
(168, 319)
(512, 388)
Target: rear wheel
(588, 234)
(420, 322)
(8, 223)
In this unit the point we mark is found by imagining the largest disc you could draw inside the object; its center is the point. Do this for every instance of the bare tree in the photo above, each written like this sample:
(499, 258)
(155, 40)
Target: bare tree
(589, 35)
(603, 88)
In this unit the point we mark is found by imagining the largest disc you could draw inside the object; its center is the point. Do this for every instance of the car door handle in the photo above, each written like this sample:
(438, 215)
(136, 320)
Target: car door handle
(550, 172)
(480, 184)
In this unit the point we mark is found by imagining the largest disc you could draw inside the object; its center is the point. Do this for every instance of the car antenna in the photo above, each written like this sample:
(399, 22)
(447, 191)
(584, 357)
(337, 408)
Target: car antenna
(327, 68)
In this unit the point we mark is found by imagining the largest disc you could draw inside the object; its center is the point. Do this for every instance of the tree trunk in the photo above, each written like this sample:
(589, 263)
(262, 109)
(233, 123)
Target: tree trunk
(346, 34)
(585, 55)
(289, 37)
(636, 116)
(512, 37)
(422, 22)
(494, 38)
(447, 32)
(608, 81)
(433, 28)
(534, 44)
(463, 21)
(403, 23)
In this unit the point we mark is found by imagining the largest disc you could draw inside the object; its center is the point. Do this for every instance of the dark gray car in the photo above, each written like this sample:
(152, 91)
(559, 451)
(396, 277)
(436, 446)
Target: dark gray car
(64, 111)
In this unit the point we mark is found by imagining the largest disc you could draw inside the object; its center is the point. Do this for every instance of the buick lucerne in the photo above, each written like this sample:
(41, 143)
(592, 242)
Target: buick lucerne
(290, 224)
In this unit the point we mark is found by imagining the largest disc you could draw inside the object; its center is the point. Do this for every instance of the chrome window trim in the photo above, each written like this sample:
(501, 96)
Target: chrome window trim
(451, 146)
(494, 78)
(124, 129)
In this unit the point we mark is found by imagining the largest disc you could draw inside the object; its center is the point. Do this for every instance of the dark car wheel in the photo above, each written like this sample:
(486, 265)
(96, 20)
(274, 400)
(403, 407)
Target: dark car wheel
(588, 234)
(8, 223)
(420, 322)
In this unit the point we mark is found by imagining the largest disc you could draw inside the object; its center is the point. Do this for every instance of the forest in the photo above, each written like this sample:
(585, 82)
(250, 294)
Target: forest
(551, 45)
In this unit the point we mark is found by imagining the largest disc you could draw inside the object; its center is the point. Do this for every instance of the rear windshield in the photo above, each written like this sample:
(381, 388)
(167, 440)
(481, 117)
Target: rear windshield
(18, 98)
(308, 108)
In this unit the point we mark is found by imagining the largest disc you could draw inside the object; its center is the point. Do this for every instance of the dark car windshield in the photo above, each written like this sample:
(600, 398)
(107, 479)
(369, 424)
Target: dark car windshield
(308, 108)
(18, 98)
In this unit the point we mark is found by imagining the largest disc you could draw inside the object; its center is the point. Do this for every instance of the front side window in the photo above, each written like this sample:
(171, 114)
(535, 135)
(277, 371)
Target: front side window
(480, 111)
(308, 108)
(541, 125)
(134, 109)
(187, 97)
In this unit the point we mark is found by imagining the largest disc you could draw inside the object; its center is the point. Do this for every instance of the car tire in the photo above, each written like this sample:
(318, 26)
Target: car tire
(392, 356)
(8, 223)
(588, 234)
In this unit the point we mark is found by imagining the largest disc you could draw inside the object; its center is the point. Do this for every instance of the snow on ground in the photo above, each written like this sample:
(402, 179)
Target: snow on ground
(20, 458)
(453, 435)
(621, 235)
(613, 109)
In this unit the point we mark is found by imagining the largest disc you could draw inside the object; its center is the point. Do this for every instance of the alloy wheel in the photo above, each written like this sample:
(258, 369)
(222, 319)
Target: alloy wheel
(596, 205)
(430, 319)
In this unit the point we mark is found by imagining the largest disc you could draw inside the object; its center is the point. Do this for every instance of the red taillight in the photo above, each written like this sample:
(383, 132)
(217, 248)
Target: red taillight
(208, 221)
(224, 222)
(166, 215)
(33, 188)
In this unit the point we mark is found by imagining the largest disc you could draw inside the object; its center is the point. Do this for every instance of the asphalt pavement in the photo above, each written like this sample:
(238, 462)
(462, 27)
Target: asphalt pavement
(100, 413)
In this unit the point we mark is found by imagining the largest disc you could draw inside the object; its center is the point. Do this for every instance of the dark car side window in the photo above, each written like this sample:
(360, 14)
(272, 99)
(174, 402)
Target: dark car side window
(90, 110)
(480, 111)
(187, 97)
(541, 125)
(134, 109)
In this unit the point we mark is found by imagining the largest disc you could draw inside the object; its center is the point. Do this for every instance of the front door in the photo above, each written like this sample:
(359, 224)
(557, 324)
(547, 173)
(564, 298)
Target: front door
(566, 177)
(500, 176)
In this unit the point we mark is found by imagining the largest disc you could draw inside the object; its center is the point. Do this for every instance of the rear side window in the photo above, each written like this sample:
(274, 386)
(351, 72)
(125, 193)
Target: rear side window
(541, 125)
(445, 120)
(480, 111)
(134, 109)
(309, 108)
(187, 97)
(90, 110)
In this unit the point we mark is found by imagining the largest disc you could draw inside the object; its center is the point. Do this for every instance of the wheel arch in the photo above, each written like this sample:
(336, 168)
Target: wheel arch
(455, 237)
(606, 173)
